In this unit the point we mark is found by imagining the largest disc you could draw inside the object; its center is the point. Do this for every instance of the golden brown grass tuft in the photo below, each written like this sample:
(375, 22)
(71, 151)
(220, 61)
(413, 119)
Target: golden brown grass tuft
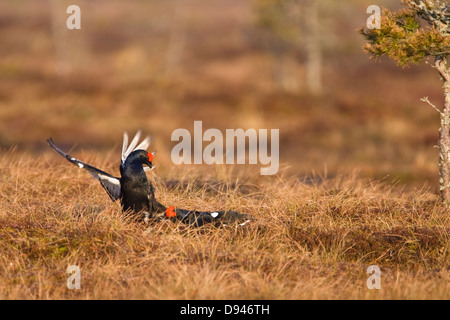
(310, 241)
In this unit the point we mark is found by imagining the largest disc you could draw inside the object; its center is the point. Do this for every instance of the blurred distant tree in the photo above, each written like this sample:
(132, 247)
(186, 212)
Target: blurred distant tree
(291, 27)
(313, 47)
(177, 37)
(71, 50)
(420, 30)
(60, 41)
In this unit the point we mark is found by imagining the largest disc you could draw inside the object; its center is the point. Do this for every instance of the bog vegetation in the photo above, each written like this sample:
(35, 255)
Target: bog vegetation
(310, 240)
(357, 183)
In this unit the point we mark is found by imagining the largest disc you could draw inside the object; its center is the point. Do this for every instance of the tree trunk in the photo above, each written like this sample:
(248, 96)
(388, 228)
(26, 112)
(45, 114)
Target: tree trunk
(444, 133)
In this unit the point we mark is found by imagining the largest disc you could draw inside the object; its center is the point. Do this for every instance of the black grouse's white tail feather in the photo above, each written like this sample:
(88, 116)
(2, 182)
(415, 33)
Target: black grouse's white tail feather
(124, 147)
(127, 149)
(132, 145)
(144, 144)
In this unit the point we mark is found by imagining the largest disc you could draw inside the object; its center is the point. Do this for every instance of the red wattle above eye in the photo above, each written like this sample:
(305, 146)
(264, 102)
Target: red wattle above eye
(150, 156)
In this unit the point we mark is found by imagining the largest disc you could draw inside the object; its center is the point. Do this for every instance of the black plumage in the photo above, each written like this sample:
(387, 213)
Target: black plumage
(137, 194)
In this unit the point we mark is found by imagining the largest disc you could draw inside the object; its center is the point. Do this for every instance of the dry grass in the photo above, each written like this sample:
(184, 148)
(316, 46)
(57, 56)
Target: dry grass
(311, 241)
(314, 237)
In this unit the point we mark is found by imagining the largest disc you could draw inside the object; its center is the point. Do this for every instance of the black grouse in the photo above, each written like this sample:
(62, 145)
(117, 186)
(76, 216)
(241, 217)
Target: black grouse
(137, 194)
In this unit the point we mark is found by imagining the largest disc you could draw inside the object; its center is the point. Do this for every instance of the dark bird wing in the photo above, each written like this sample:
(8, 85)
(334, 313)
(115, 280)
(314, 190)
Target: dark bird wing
(110, 183)
(199, 218)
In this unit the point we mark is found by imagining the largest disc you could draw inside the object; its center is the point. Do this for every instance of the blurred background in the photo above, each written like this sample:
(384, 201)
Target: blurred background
(297, 66)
